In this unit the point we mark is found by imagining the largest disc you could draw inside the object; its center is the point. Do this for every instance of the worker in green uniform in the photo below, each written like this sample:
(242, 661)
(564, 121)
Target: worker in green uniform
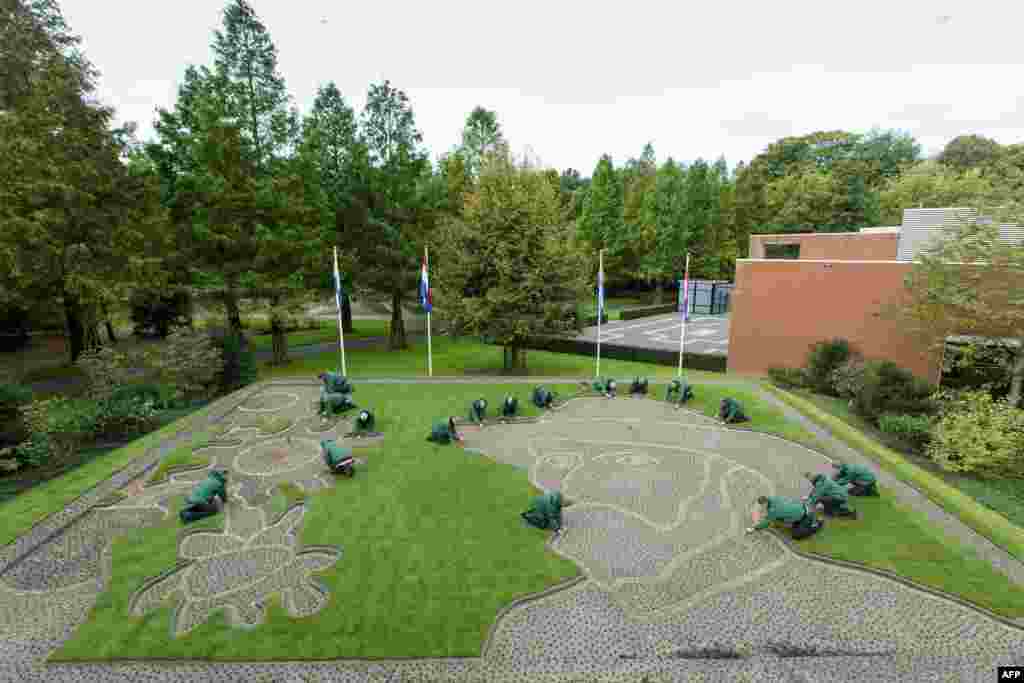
(542, 398)
(478, 410)
(202, 502)
(863, 480)
(335, 383)
(365, 421)
(545, 511)
(340, 460)
(510, 406)
(679, 392)
(792, 512)
(444, 433)
(333, 403)
(730, 411)
(831, 495)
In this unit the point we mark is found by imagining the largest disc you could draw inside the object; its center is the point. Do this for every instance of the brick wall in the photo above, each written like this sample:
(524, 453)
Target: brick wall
(781, 307)
(840, 246)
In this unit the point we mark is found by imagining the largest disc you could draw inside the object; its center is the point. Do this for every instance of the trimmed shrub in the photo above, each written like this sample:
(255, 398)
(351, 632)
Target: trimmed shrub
(12, 396)
(822, 359)
(154, 393)
(913, 430)
(787, 378)
(188, 363)
(888, 388)
(980, 435)
(848, 378)
(125, 415)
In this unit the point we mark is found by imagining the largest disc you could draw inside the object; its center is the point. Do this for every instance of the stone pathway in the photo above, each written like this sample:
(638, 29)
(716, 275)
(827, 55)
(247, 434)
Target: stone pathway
(672, 586)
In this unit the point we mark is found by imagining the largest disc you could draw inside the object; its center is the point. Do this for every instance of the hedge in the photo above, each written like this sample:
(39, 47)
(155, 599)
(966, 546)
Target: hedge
(988, 523)
(631, 313)
(581, 347)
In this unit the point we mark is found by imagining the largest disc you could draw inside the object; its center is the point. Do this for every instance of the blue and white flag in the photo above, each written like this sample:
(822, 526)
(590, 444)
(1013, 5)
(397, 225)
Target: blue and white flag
(338, 291)
(600, 292)
(426, 296)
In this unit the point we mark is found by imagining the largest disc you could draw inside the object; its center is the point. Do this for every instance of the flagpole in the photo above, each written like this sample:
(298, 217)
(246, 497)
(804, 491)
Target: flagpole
(600, 286)
(686, 305)
(430, 352)
(337, 301)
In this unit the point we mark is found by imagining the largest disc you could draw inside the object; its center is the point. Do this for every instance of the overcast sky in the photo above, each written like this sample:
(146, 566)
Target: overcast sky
(574, 80)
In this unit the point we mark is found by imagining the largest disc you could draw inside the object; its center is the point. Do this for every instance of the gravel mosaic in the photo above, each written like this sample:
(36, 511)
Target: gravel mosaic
(661, 497)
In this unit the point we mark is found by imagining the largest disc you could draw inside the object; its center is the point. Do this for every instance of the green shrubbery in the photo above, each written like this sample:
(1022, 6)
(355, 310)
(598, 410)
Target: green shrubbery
(823, 358)
(787, 378)
(887, 388)
(12, 396)
(913, 430)
(980, 435)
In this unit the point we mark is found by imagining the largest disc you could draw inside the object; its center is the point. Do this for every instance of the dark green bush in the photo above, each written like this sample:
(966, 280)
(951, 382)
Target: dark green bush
(822, 359)
(153, 393)
(913, 430)
(888, 388)
(787, 378)
(155, 314)
(848, 378)
(125, 415)
(12, 396)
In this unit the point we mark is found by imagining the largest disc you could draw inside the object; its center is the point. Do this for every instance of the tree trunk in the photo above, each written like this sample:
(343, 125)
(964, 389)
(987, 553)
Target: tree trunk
(81, 329)
(346, 315)
(110, 327)
(1017, 377)
(278, 337)
(514, 360)
(658, 293)
(231, 304)
(397, 339)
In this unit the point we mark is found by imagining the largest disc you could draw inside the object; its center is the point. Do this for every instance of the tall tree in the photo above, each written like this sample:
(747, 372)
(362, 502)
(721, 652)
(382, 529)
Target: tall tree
(972, 283)
(930, 183)
(393, 214)
(701, 203)
(638, 180)
(601, 222)
(246, 59)
(751, 206)
(510, 271)
(481, 136)
(668, 256)
(965, 152)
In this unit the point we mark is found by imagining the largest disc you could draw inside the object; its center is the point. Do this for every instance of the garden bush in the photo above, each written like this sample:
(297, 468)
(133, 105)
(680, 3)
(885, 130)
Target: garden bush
(787, 378)
(980, 435)
(125, 415)
(189, 363)
(848, 378)
(143, 391)
(888, 388)
(822, 359)
(156, 314)
(107, 369)
(12, 396)
(913, 430)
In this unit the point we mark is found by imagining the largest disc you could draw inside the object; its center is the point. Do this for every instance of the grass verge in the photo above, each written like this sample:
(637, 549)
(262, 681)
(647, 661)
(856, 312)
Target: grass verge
(327, 333)
(183, 458)
(895, 538)
(432, 548)
(465, 356)
(989, 524)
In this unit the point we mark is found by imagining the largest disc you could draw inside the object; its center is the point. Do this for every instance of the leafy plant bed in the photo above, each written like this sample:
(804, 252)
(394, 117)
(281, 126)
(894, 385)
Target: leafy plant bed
(1005, 496)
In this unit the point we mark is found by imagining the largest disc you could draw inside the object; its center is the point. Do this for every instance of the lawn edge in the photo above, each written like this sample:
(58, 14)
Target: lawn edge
(988, 523)
(1015, 623)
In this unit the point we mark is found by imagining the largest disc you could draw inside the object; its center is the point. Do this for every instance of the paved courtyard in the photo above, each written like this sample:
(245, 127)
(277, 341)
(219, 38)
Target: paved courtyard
(706, 334)
(660, 501)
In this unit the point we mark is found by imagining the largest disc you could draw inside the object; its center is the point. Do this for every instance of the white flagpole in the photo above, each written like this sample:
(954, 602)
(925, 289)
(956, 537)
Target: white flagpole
(337, 301)
(686, 305)
(600, 293)
(430, 351)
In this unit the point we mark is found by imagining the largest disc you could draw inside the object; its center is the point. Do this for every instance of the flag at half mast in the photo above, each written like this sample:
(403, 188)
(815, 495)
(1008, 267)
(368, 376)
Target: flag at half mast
(338, 291)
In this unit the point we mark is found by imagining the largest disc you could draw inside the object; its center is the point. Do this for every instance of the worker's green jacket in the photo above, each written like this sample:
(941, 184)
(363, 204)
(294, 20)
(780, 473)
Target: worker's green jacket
(366, 424)
(545, 511)
(826, 488)
(213, 485)
(440, 433)
(337, 384)
(333, 453)
(857, 474)
(782, 510)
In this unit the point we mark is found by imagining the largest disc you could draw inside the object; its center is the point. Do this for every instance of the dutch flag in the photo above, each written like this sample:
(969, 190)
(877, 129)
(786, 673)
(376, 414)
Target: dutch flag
(426, 296)
(338, 291)
(600, 292)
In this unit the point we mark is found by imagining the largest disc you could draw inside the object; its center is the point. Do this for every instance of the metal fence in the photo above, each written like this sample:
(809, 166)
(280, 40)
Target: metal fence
(707, 297)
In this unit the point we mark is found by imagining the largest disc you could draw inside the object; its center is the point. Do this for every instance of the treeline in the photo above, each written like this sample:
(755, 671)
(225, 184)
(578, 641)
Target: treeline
(239, 197)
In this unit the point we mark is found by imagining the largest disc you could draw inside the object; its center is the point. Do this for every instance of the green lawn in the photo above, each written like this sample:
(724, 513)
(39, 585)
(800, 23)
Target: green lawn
(614, 306)
(895, 538)
(1005, 496)
(467, 356)
(328, 333)
(433, 546)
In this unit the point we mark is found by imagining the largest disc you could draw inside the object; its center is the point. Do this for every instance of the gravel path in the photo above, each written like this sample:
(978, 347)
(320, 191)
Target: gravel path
(669, 589)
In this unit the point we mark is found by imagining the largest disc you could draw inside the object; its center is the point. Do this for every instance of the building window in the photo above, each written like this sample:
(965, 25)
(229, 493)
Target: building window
(785, 251)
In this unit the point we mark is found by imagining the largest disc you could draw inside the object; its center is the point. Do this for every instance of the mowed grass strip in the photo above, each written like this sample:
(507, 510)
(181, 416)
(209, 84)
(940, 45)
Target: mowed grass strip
(432, 548)
(327, 333)
(466, 356)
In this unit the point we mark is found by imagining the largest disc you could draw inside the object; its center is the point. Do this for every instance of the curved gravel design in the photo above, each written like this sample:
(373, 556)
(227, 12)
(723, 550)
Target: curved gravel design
(673, 589)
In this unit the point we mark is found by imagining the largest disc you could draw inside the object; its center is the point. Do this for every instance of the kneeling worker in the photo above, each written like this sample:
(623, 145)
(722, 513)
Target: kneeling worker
(679, 392)
(793, 512)
(831, 495)
(510, 407)
(545, 512)
(444, 433)
(863, 479)
(365, 421)
(339, 459)
(730, 411)
(202, 502)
